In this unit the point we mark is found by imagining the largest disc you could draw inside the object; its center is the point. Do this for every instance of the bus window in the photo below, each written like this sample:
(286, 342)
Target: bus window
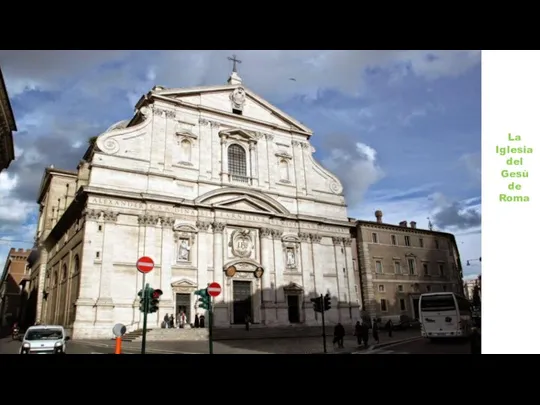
(439, 302)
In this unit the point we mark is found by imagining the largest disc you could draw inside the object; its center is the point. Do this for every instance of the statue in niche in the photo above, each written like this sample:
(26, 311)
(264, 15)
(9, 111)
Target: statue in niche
(183, 251)
(291, 260)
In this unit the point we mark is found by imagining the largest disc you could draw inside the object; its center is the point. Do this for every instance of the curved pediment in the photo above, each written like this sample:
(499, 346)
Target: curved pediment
(182, 227)
(242, 199)
(243, 264)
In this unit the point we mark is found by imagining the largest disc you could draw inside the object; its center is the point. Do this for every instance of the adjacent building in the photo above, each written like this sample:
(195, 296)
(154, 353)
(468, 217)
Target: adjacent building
(397, 263)
(14, 273)
(214, 184)
(7, 126)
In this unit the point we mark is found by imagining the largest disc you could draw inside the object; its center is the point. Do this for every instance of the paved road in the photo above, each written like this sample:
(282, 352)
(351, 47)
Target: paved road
(7, 346)
(424, 346)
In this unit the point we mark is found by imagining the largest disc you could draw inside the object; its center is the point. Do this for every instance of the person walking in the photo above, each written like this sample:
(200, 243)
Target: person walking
(358, 333)
(339, 334)
(375, 331)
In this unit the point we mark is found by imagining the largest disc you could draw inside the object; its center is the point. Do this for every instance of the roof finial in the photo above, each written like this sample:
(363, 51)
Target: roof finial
(430, 224)
(234, 78)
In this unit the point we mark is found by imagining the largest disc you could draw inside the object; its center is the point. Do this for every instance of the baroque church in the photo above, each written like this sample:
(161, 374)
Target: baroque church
(215, 185)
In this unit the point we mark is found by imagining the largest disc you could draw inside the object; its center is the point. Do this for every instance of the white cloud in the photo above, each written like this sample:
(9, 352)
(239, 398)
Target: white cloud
(12, 210)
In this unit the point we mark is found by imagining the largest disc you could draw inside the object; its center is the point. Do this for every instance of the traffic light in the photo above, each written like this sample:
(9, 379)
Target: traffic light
(317, 304)
(327, 302)
(204, 298)
(154, 300)
(141, 300)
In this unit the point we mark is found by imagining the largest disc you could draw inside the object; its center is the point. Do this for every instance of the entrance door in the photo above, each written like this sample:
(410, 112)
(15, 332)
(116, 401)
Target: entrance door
(241, 301)
(294, 308)
(183, 304)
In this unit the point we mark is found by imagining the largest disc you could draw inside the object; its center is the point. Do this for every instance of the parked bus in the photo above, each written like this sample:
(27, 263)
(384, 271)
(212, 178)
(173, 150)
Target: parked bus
(445, 315)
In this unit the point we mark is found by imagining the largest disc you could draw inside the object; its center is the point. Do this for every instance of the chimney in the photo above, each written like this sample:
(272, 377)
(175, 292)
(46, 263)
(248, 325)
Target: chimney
(378, 215)
(413, 224)
(403, 224)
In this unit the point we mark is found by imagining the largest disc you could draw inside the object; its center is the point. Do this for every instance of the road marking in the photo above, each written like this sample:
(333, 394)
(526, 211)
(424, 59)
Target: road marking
(404, 341)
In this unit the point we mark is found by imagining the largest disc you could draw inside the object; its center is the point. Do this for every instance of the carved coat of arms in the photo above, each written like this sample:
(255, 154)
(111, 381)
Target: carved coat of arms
(238, 98)
(241, 243)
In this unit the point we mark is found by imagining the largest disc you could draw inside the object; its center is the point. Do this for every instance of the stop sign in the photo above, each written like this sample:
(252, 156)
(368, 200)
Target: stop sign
(214, 289)
(145, 264)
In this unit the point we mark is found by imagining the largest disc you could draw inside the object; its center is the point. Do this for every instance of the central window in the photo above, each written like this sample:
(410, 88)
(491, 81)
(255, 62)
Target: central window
(237, 163)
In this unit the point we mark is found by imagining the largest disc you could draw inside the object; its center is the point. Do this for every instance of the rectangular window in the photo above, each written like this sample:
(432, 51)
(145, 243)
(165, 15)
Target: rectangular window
(378, 267)
(402, 305)
(426, 269)
(436, 244)
(397, 267)
(421, 241)
(428, 288)
(381, 287)
(374, 238)
(441, 269)
(384, 308)
(400, 288)
(394, 240)
(407, 241)
(412, 267)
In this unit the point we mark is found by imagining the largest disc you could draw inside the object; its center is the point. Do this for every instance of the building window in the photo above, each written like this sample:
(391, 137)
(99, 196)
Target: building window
(76, 264)
(374, 238)
(237, 112)
(441, 269)
(428, 288)
(400, 288)
(449, 246)
(421, 242)
(426, 269)
(284, 170)
(185, 151)
(402, 305)
(184, 250)
(397, 267)
(384, 308)
(98, 255)
(394, 240)
(444, 287)
(381, 287)
(99, 228)
(407, 241)
(64, 272)
(55, 278)
(378, 267)
(237, 163)
(412, 266)
(436, 244)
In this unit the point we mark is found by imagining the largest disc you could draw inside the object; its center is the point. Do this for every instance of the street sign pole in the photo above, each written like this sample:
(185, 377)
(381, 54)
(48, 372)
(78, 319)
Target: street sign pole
(323, 326)
(145, 315)
(210, 327)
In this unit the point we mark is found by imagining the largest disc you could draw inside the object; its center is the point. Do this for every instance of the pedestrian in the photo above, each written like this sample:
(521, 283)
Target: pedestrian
(339, 334)
(196, 323)
(182, 319)
(247, 320)
(375, 331)
(365, 333)
(358, 333)
(390, 327)
(166, 320)
(178, 320)
(171, 320)
(201, 321)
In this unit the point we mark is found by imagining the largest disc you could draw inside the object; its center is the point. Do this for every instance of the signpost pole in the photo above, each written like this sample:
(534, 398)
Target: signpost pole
(145, 314)
(323, 325)
(210, 327)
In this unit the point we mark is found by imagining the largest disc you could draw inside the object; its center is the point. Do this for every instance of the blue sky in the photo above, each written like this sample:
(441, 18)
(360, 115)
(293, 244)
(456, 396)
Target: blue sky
(400, 128)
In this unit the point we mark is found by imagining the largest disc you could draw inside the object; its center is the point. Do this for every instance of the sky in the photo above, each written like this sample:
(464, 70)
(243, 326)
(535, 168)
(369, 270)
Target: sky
(401, 129)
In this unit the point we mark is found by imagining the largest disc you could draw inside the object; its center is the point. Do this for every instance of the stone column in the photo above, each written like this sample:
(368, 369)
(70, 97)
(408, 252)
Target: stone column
(306, 164)
(224, 160)
(307, 277)
(270, 161)
(221, 308)
(343, 297)
(203, 245)
(351, 280)
(85, 315)
(105, 304)
(168, 251)
(254, 173)
(318, 263)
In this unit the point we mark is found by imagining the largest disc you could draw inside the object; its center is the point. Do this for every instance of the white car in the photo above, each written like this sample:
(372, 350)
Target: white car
(44, 339)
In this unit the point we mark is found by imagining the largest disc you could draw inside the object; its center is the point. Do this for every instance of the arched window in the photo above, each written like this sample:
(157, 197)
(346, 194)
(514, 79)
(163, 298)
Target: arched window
(185, 151)
(64, 272)
(284, 169)
(76, 264)
(237, 163)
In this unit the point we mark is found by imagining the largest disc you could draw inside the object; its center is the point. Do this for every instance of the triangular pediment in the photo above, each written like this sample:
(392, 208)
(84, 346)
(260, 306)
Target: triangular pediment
(244, 203)
(218, 99)
(184, 282)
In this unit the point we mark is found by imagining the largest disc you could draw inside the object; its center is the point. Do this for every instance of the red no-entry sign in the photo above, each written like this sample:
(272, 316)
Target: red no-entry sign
(145, 264)
(214, 289)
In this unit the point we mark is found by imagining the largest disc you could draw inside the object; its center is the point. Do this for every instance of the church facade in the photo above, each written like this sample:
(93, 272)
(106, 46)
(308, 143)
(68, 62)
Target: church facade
(215, 185)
